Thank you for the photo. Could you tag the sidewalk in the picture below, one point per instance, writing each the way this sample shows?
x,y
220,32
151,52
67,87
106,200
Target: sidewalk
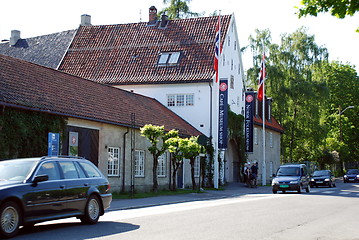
x,y
231,190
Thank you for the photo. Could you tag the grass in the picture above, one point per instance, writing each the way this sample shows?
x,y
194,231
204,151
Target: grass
x,y
127,195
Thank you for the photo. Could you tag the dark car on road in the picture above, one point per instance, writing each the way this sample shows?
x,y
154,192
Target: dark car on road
x,y
291,177
40,189
352,175
322,178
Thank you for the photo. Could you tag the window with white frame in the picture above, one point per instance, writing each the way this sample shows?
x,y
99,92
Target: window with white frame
x,y
178,100
169,58
113,161
161,167
271,139
255,136
197,167
139,163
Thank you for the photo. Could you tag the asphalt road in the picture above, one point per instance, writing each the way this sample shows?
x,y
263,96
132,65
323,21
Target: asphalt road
x,y
325,213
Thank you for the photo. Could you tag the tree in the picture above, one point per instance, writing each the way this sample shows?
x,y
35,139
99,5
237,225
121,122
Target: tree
x,y
297,96
340,9
176,158
177,9
190,150
157,137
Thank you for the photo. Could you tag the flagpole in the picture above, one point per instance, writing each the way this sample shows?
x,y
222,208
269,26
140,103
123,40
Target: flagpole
x,y
264,167
216,159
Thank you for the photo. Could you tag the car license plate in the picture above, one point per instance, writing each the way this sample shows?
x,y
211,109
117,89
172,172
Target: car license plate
x,y
319,181
283,186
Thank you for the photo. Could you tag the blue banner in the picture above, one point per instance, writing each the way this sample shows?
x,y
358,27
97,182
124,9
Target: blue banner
x,y
53,144
223,114
248,124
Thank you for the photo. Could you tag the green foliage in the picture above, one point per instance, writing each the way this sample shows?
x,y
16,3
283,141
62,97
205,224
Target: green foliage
x,y
177,9
339,9
24,133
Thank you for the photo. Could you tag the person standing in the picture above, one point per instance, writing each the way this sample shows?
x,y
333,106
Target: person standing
x,y
254,170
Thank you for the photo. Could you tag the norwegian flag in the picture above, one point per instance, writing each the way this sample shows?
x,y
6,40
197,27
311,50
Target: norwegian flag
x,y
261,80
217,47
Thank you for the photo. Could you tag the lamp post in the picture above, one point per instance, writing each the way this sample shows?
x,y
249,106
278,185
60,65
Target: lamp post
x,y
341,131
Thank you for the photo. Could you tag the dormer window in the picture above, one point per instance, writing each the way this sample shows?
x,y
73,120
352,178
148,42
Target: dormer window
x,y
169,58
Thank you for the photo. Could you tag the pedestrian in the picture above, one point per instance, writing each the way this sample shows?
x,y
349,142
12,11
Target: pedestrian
x,y
254,170
248,174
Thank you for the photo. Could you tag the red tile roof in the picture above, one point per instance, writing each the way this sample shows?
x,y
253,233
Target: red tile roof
x,y
30,86
273,124
128,53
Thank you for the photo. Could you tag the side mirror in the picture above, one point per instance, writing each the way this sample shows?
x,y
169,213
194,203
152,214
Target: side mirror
x,y
41,178
273,175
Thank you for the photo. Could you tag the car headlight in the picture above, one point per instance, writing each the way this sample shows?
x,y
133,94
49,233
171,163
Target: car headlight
x,y
345,176
274,181
327,180
294,182
312,180
357,176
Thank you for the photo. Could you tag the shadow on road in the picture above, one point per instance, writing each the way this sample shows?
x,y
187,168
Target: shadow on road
x,y
75,230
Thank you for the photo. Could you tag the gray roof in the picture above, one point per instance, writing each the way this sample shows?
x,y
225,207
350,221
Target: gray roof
x,y
46,50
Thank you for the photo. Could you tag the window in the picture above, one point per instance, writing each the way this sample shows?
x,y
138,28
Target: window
x,y
139,163
231,82
69,170
197,167
50,169
271,139
113,161
169,58
180,100
256,136
161,167
91,170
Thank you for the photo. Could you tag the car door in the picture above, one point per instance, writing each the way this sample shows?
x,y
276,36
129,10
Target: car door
x,y
76,186
43,199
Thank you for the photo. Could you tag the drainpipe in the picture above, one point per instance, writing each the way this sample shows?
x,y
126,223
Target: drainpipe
x,y
124,160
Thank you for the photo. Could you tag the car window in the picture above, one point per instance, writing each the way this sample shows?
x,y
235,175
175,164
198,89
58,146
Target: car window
x,y
288,171
50,169
90,170
321,173
69,170
15,170
353,171
80,170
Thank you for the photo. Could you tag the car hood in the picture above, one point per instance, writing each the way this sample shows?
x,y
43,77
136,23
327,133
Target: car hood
x,y
286,178
320,177
5,183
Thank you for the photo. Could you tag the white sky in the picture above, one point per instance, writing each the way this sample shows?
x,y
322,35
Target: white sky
x,y
40,17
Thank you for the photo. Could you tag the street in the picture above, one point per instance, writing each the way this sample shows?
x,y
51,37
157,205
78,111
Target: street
x,y
325,213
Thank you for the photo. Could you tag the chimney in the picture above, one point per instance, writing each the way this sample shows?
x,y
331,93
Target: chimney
x,y
15,35
164,21
85,20
152,16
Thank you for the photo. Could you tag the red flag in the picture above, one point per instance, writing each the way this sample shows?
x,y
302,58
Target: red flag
x,y
262,76
217,47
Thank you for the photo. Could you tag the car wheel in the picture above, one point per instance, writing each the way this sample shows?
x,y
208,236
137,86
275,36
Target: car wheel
x,y
274,191
334,185
92,210
10,219
300,189
330,184
308,189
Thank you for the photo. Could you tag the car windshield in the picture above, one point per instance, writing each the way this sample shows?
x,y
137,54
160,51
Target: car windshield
x,y
15,170
288,171
320,173
353,171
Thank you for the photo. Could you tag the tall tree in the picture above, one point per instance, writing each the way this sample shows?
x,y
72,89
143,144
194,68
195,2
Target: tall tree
x,y
157,137
297,96
178,9
176,158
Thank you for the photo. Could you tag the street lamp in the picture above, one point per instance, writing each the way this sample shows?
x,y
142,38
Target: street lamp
x,y
341,131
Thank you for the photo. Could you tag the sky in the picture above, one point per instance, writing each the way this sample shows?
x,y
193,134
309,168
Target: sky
x,y
40,17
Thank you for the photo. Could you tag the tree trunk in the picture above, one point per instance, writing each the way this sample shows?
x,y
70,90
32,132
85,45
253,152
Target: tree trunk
x,y
192,174
154,172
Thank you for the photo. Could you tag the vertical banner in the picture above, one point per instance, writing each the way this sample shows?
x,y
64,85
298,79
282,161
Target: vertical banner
x,y
73,144
248,127
223,114
53,144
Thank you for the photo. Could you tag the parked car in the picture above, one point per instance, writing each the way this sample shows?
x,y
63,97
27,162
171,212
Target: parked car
x,y
352,175
322,178
291,177
40,189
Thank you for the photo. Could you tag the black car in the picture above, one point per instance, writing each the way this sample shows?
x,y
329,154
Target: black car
x,y
40,189
352,175
322,178
291,177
